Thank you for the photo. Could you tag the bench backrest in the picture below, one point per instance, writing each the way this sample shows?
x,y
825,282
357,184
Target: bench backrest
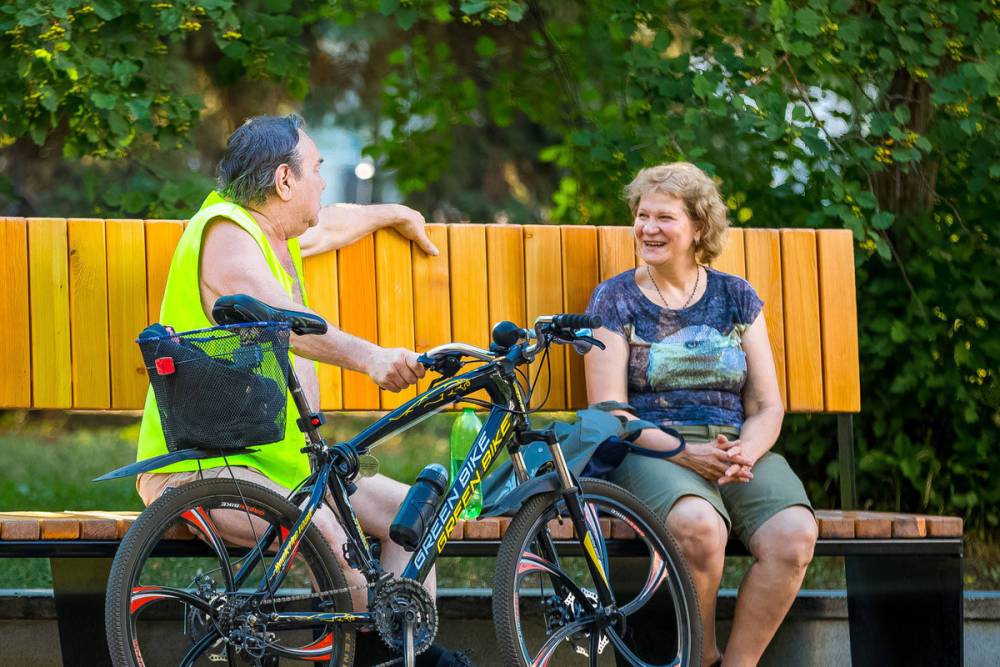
x,y
74,293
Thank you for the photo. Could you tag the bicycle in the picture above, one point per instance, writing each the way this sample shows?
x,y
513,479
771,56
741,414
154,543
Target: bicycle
x,y
276,591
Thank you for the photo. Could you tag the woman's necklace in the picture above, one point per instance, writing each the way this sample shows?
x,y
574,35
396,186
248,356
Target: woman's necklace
x,y
687,303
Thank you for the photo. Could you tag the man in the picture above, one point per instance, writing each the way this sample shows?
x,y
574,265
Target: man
x,y
246,239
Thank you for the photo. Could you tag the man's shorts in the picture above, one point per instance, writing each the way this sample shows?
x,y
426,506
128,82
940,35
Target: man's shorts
x,y
152,485
743,506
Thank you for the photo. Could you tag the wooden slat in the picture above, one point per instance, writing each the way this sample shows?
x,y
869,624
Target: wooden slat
x,y
616,247
127,311
621,530
15,527
944,526
871,526
838,321
15,353
908,526
803,343
580,271
732,259
431,298
161,240
121,521
543,288
394,286
505,259
561,529
482,529
763,263
356,264
88,302
458,532
470,319
834,525
51,377
320,276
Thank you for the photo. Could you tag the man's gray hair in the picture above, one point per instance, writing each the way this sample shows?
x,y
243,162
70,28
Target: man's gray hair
x,y
253,152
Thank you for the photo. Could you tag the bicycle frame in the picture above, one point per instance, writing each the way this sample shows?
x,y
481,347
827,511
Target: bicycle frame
x,y
505,419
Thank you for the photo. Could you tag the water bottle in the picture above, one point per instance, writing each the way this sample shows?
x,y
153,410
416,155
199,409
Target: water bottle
x,y
417,511
463,434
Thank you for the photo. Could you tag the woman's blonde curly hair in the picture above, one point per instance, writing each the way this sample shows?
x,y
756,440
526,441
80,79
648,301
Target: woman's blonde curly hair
x,y
701,198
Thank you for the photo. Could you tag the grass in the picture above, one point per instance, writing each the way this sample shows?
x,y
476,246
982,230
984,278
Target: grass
x,y
47,462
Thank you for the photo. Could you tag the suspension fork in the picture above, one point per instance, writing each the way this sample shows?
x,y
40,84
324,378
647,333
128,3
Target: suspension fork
x,y
572,495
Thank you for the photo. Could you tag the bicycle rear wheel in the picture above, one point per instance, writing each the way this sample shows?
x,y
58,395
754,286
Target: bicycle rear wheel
x,y
181,584
541,582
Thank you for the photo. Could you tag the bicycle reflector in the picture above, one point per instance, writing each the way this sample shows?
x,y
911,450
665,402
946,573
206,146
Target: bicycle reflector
x,y
165,366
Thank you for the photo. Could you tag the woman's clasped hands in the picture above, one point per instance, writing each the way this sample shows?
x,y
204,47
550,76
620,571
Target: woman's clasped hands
x,y
721,461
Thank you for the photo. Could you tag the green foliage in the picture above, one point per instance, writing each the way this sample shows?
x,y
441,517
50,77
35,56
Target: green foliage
x,y
112,80
877,117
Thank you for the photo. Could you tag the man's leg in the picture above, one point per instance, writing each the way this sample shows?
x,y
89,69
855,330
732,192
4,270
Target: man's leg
x,y
376,502
240,528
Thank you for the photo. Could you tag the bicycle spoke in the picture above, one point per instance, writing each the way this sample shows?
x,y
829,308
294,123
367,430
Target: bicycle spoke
x,y
624,651
144,595
200,647
657,575
533,563
200,521
549,647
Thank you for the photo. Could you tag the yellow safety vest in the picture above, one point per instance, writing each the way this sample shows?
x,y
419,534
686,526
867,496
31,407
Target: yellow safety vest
x,y
283,462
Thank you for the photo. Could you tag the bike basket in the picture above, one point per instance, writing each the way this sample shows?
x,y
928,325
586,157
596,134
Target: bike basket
x,y
221,388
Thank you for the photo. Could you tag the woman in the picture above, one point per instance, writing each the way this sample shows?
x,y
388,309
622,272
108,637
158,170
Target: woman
x,y
687,348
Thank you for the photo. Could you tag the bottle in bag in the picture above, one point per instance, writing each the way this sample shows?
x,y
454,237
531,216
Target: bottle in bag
x,y
463,434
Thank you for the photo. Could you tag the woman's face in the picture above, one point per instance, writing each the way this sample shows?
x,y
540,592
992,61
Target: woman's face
x,y
663,230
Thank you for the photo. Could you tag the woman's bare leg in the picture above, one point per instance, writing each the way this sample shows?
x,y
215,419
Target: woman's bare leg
x,y
701,535
782,549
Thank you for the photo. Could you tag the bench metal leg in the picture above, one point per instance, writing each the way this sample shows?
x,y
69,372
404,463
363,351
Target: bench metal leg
x,y
78,585
905,610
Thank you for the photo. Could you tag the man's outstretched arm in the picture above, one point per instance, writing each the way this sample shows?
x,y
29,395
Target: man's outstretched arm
x,y
231,263
343,224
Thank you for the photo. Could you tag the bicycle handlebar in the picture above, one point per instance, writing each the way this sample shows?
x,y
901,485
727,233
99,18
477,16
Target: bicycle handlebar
x,y
561,328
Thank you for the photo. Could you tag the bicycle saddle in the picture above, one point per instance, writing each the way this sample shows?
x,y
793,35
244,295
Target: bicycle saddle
x,y
242,308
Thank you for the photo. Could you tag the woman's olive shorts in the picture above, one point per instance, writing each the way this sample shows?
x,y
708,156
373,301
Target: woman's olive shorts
x,y
744,507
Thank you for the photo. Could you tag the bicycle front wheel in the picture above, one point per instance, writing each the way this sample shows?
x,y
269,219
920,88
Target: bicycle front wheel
x,y
545,602
184,585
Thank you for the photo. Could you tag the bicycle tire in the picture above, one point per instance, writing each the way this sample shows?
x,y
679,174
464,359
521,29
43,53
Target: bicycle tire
x,y
144,555
514,566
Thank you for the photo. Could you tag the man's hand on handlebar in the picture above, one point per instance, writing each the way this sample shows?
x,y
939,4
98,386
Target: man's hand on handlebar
x,y
394,368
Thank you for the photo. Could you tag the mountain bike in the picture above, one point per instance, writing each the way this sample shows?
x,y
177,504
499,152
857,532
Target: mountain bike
x,y
182,591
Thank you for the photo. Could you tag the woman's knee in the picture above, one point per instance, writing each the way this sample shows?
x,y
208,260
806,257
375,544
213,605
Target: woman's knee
x,y
699,530
788,537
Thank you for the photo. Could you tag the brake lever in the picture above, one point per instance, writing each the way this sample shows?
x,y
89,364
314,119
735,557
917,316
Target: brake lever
x,y
583,344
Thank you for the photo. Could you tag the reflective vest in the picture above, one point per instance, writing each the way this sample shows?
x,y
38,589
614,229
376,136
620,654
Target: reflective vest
x,y
181,309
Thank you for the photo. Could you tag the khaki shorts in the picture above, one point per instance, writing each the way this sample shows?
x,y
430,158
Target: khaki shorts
x,y
744,507
152,485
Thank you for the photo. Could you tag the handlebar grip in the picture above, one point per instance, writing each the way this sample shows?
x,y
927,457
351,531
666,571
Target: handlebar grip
x,y
573,321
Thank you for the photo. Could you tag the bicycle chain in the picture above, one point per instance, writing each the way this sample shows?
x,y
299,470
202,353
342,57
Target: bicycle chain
x,y
331,593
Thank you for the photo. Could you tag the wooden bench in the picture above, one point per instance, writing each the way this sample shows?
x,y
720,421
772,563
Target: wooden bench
x,y
74,293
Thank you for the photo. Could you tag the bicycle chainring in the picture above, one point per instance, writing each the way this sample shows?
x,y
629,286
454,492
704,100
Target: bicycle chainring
x,y
398,601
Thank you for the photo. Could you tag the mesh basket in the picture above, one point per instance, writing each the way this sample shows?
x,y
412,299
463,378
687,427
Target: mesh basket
x,y
220,388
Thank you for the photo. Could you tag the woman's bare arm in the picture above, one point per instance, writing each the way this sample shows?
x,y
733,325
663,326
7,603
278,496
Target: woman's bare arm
x,y
762,405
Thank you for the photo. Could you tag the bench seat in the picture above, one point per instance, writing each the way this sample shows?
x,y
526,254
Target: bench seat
x,y
833,525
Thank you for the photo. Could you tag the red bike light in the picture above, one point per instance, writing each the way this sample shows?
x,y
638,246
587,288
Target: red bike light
x,y
165,366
